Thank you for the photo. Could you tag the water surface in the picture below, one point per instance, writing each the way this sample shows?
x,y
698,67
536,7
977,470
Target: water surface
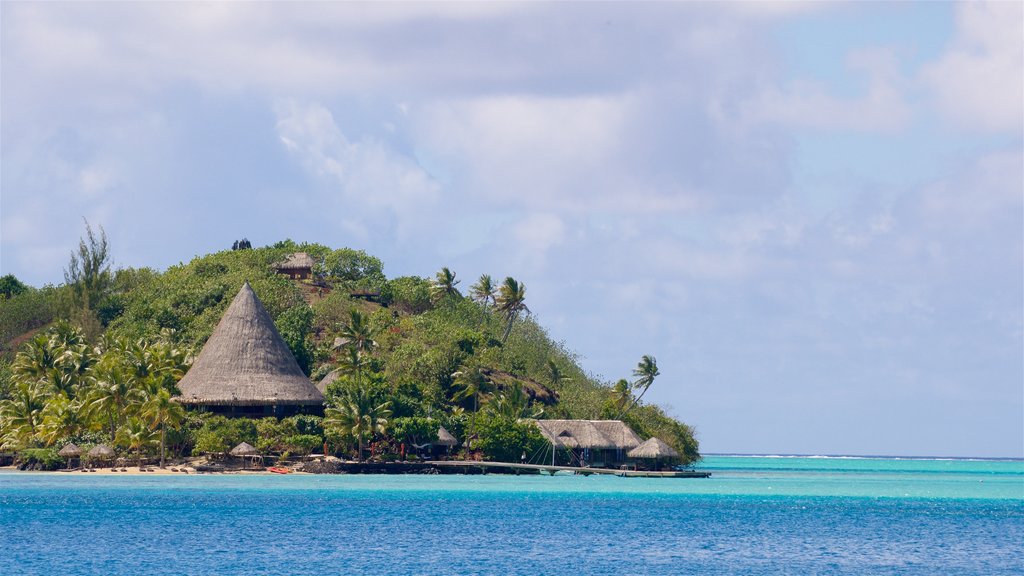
x,y
756,515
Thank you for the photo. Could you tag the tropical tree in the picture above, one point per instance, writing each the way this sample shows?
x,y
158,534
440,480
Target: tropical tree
x,y
135,435
21,414
160,412
358,334
444,285
471,381
88,272
514,403
483,291
511,302
358,415
621,395
645,372
554,373
36,359
110,396
61,418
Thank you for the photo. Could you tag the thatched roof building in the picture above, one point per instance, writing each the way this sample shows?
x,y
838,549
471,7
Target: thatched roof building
x,y
245,363
102,452
653,448
70,451
244,449
619,433
327,379
297,265
445,438
574,434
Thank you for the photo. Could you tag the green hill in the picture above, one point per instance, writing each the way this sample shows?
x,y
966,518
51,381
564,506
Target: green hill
x,y
426,332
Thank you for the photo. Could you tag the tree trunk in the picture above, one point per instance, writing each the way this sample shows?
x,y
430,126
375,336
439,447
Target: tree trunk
x,y
162,445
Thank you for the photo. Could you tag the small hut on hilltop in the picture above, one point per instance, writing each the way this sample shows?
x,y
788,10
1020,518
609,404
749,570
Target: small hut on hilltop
x,y
297,265
246,369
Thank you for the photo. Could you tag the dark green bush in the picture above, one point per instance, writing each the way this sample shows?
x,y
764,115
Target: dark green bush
x,y
41,459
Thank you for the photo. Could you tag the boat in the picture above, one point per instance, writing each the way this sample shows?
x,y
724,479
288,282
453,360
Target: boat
x,y
278,470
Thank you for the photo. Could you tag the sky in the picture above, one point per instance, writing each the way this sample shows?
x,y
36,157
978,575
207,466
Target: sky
x,y
812,215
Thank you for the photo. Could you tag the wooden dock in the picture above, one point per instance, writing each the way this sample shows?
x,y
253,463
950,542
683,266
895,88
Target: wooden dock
x,y
514,468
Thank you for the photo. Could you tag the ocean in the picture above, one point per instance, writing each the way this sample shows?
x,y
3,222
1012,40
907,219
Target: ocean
x,y
755,515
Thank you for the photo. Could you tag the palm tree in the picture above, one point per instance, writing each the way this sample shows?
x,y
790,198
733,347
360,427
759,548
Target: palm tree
x,y
61,418
444,285
36,359
472,381
21,414
136,435
514,404
511,302
622,394
358,415
162,412
357,334
554,373
111,395
646,371
483,291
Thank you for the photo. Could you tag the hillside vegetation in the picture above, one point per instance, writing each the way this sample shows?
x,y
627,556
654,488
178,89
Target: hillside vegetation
x,y
424,348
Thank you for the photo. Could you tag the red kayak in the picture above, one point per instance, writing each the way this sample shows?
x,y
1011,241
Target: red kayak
x,y
279,470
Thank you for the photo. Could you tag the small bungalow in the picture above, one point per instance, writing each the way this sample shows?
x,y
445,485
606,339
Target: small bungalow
x,y
654,449
298,265
600,443
246,369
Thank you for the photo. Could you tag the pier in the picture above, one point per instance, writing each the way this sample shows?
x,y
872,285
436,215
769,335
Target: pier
x,y
506,467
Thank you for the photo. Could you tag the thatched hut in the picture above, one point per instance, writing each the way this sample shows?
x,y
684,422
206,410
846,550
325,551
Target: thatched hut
x,y
590,442
327,380
246,369
654,449
445,438
297,265
70,452
101,452
246,452
444,443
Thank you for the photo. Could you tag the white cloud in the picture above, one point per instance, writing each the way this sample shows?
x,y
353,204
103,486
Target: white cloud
x,y
366,172
809,104
979,82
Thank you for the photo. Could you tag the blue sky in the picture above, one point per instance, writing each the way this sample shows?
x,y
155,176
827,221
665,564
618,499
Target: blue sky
x,y
811,214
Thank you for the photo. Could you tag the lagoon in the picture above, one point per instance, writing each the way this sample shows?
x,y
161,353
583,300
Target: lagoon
x,y
756,515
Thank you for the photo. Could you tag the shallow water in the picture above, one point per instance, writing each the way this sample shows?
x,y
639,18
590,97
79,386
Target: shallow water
x,y
756,515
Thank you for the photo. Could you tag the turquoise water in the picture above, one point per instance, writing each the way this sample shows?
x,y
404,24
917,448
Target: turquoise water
x,y
756,515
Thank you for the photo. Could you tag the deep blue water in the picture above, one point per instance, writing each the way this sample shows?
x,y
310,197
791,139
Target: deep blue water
x,y
754,516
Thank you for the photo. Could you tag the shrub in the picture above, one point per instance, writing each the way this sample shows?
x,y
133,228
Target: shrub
x,y
504,439
303,443
42,459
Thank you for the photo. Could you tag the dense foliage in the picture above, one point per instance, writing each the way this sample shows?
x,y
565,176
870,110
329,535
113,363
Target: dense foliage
x,y
409,354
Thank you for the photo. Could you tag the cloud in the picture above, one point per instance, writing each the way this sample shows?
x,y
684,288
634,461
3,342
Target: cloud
x,y
366,173
809,104
979,82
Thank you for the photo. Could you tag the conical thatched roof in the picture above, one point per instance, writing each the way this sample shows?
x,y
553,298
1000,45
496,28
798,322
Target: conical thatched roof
x,y
653,448
101,451
244,449
70,451
445,438
327,379
246,363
